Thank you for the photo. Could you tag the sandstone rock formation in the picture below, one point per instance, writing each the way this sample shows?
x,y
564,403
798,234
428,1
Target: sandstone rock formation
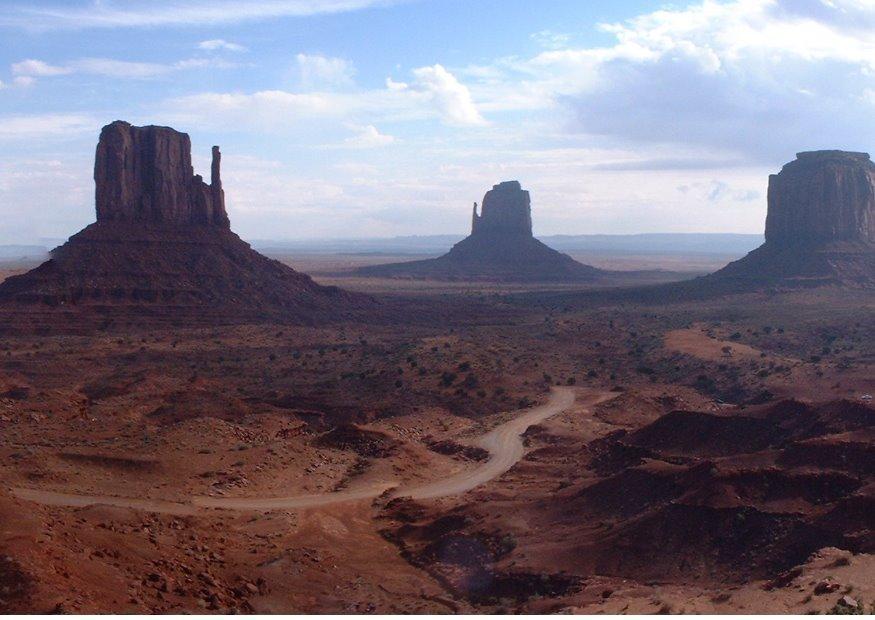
x,y
506,209
501,247
162,248
822,197
144,174
820,226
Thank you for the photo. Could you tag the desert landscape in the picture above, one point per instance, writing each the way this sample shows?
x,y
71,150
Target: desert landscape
x,y
342,390
189,426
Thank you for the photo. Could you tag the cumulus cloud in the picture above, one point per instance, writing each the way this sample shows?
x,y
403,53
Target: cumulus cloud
x,y
317,71
450,97
220,44
434,92
759,78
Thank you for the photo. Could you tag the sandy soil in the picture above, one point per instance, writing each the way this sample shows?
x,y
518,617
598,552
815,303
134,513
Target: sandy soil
x,y
593,517
503,443
698,342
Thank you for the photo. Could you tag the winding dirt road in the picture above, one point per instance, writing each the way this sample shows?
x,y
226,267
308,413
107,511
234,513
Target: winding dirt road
x,y
504,444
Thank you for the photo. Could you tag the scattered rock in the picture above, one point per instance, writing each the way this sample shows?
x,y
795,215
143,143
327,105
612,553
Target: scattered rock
x,y
825,587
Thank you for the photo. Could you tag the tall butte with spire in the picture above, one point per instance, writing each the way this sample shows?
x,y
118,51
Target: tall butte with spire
x,y
162,247
820,226
501,247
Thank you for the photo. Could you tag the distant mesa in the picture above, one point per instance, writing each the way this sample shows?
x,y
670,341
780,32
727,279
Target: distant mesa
x,y
162,246
501,247
820,226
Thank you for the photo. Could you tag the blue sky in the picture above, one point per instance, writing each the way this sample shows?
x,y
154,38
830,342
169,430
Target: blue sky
x,y
364,118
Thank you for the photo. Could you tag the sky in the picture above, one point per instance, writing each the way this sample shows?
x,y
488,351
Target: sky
x,y
376,118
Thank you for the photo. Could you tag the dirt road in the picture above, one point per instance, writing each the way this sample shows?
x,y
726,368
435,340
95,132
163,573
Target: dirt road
x,y
504,444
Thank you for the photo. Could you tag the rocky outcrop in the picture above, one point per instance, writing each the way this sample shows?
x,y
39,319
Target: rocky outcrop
x,y
822,197
501,247
144,174
162,249
506,209
820,227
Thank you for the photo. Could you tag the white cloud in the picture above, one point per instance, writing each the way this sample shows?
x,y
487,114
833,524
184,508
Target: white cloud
x,y
763,78
220,44
369,137
23,81
449,96
393,85
30,69
434,92
42,125
317,71
271,110
38,68
108,14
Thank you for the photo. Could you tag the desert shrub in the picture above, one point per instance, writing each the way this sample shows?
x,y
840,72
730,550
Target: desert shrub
x,y
447,378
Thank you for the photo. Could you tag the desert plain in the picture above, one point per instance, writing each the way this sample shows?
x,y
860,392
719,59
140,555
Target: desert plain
x,y
709,456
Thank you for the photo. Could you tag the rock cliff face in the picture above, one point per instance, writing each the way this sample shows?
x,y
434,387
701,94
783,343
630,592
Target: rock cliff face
x,y
506,209
162,249
144,174
821,197
820,226
501,247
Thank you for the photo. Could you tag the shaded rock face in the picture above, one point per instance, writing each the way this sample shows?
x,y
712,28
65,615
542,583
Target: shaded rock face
x,y
820,228
820,197
507,209
161,250
144,174
501,247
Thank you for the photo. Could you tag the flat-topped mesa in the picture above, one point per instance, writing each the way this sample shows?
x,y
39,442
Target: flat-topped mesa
x,y
506,209
144,175
822,197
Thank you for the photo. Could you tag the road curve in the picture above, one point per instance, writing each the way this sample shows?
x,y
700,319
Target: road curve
x,y
504,444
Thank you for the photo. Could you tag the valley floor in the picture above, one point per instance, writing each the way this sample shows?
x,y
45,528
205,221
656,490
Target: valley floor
x,y
713,456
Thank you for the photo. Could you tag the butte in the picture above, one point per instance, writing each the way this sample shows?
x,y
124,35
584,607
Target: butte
x,y
162,250
501,247
820,227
